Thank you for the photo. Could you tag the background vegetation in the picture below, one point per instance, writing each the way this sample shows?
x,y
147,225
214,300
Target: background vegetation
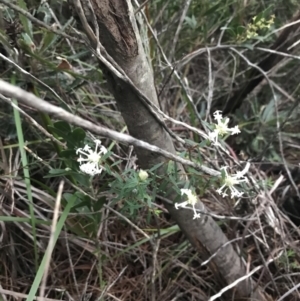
x,y
113,240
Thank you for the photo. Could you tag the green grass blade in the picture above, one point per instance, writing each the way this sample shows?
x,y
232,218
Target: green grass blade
x,y
40,272
18,123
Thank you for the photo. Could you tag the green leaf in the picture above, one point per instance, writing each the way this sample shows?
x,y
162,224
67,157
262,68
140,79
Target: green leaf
x,y
70,197
99,204
59,173
63,126
68,153
78,135
212,10
191,22
203,143
61,129
25,21
82,179
48,38
269,111
249,46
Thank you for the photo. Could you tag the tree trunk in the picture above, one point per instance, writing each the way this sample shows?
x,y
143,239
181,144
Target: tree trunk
x,y
120,38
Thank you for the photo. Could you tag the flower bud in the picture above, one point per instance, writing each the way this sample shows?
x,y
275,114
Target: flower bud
x,y
143,175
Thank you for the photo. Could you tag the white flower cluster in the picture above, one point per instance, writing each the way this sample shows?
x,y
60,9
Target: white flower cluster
x,y
191,200
221,128
229,181
90,163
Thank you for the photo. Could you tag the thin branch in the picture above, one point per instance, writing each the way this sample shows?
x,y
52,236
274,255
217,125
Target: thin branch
x,y
23,296
233,284
176,37
43,106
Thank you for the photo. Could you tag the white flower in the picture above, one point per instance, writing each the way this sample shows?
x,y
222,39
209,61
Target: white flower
x,y
231,180
91,163
221,128
143,175
191,200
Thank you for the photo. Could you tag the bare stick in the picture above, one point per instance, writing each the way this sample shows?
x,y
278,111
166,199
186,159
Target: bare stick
x,y
43,106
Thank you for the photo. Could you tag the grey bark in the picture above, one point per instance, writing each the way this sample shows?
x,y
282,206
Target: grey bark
x,y
119,35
